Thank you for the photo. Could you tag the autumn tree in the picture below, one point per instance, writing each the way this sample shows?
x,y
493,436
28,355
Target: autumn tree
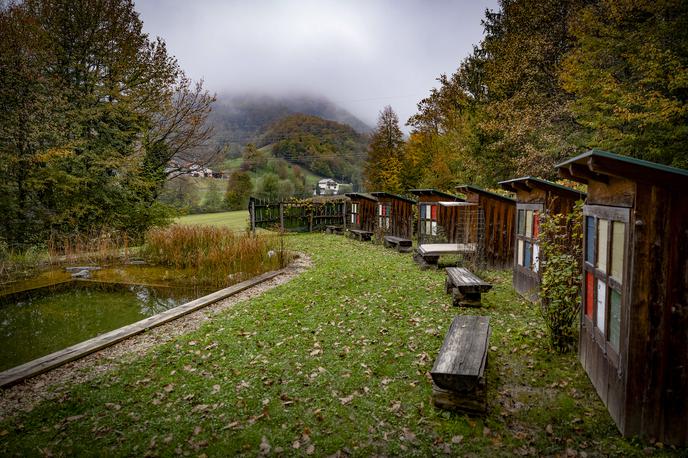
x,y
239,188
95,110
382,170
628,74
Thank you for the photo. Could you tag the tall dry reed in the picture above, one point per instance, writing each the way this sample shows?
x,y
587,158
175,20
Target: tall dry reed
x,y
91,247
216,256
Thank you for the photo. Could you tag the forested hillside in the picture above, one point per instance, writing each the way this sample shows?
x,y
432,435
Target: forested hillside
x,y
327,148
550,79
242,119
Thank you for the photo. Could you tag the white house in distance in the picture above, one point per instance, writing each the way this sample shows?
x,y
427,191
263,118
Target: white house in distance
x,y
326,187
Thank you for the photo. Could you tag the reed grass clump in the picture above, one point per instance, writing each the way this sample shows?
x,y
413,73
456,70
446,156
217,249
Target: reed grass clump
x,y
214,255
89,247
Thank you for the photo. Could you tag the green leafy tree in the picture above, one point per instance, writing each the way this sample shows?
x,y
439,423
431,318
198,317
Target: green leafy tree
x,y
629,75
239,188
383,169
268,187
95,111
213,198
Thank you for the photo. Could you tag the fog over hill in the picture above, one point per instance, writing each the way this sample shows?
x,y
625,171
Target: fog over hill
x,y
239,119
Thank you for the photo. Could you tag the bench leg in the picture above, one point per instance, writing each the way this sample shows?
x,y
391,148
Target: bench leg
x,y
448,285
465,300
404,249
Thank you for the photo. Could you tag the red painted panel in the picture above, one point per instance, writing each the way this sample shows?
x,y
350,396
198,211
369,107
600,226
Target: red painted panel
x,y
588,294
433,212
536,224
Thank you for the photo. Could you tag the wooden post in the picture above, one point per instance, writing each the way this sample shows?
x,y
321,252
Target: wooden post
x,y
281,213
253,216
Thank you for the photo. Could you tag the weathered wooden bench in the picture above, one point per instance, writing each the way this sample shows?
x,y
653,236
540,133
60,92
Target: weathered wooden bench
x,y
465,287
458,374
360,235
401,244
428,254
334,230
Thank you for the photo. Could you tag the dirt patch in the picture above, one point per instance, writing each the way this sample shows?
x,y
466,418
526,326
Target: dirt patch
x,y
55,383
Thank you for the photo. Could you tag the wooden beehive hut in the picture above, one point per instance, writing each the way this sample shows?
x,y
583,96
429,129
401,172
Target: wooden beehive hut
x,y
499,213
394,214
431,227
634,323
533,197
361,212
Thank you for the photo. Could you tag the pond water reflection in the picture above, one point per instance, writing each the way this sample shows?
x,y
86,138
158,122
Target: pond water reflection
x,y
40,321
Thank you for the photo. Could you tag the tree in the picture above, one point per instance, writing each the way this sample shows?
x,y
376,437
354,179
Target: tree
x,y
213,198
385,154
629,75
268,187
239,188
95,111
253,158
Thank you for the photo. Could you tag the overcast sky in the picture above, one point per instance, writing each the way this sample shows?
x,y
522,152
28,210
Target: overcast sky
x,y
361,54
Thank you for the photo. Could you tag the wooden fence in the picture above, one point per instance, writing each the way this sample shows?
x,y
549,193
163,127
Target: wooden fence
x,y
297,216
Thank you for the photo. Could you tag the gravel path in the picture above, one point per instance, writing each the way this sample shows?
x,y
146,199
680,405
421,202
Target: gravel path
x,y
53,384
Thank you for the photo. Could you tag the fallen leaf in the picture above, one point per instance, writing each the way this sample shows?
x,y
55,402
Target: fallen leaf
x,y
346,400
216,389
264,446
549,429
296,445
457,439
310,450
197,430
113,406
169,387
73,418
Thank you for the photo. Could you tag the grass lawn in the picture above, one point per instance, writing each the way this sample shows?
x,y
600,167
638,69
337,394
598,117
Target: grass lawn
x,y
336,360
236,220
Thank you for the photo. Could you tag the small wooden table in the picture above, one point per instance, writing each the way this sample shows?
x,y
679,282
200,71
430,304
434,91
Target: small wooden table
x,y
428,254
401,244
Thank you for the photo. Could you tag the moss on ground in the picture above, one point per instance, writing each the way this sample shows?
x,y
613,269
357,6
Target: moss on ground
x,y
336,360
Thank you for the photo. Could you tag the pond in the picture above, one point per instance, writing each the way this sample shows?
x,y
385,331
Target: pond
x,y
42,320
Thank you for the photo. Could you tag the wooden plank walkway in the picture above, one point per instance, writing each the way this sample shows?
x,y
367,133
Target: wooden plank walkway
x,y
53,360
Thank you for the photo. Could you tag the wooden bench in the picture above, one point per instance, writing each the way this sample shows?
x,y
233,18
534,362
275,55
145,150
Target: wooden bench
x,y
401,244
361,235
428,254
458,374
465,287
334,230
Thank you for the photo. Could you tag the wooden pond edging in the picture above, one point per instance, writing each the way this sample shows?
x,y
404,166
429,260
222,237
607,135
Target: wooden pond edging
x,y
66,355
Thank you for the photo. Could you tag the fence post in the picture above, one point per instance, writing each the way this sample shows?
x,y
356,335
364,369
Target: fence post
x,y
253,216
281,211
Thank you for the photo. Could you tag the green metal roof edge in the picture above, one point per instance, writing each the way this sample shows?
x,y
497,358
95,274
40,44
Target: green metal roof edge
x,y
546,183
364,195
392,195
485,191
433,191
626,159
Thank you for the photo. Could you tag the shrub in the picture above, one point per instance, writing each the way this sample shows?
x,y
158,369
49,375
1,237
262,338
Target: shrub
x,y
216,255
561,249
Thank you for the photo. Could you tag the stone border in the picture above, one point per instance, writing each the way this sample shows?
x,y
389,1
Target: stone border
x,y
66,355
